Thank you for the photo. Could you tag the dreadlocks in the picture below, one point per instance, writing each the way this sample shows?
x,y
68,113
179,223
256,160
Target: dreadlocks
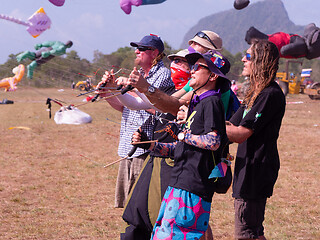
x,y
264,65
157,59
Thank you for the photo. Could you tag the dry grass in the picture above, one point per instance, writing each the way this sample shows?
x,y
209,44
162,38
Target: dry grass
x,y
48,191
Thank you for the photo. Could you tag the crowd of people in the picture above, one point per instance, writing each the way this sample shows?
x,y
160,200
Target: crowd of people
x,y
180,122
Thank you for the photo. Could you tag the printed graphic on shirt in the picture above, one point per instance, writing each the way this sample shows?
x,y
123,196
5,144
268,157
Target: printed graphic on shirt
x,y
257,116
190,120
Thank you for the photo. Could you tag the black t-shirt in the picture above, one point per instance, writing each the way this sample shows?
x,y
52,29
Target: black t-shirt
x,y
257,162
193,165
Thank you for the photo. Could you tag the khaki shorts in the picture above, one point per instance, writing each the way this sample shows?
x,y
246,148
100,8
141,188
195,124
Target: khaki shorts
x,y
249,216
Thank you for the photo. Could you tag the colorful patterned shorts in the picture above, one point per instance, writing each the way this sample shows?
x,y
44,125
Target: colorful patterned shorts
x,y
183,215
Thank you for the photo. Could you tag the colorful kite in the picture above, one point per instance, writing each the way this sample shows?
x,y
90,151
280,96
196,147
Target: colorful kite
x,y
126,4
220,170
9,84
46,51
58,3
36,24
292,45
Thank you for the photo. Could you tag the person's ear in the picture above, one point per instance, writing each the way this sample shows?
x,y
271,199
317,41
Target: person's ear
x,y
213,77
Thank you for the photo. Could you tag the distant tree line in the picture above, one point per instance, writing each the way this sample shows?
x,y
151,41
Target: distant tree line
x,y
61,71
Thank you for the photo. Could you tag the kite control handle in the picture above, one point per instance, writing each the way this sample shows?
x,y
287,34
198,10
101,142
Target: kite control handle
x,y
97,95
124,90
132,151
134,148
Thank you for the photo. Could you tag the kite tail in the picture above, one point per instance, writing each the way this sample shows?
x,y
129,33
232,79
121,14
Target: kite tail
x,y
12,19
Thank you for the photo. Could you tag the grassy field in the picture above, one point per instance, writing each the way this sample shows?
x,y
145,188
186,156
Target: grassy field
x,y
53,184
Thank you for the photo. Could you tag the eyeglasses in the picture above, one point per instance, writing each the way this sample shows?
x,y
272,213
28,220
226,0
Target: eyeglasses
x,y
248,56
143,49
178,60
197,67
205,36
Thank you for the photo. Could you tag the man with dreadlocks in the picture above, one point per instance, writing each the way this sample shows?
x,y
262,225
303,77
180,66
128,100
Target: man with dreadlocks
x,y
149,54
255,126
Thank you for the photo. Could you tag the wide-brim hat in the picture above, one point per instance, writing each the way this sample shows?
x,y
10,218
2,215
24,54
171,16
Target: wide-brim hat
x,y
208,39
181,53
152,41
217,63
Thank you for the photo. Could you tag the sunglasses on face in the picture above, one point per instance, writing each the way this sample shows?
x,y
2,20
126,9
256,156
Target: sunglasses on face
x,y
143,49
205,36
197,67
248,56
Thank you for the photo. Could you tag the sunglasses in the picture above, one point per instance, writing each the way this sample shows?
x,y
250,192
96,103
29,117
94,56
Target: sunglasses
x,y
197,67
143,49
248,56
205,36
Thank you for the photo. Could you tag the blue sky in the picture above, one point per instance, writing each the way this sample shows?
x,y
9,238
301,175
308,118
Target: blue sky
x,y
102,25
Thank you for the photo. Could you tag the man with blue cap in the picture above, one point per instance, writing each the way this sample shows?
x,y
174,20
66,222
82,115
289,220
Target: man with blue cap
x,y
149,54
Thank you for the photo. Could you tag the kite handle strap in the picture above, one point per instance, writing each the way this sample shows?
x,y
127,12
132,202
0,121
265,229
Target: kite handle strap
x,y
49,104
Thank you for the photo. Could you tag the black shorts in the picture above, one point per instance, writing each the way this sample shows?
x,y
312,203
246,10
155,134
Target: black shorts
x,y
249,216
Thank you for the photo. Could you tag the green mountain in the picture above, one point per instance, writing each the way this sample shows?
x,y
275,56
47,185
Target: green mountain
x,y
269,16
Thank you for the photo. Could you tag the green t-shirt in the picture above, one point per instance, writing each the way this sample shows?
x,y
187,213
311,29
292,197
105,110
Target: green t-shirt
x,y
187,87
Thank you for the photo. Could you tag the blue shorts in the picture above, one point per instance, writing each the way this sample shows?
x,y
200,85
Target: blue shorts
x,y
183,215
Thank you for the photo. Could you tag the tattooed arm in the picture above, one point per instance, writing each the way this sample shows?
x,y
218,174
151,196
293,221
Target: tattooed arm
x,y
210,141
164,149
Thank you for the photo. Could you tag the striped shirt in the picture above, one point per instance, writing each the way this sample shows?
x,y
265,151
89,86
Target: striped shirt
x,y
159,76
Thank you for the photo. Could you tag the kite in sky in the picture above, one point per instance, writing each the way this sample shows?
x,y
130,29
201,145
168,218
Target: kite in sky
x,y
58,3
240,4
47,51
9,84
36,24
292,45
127,4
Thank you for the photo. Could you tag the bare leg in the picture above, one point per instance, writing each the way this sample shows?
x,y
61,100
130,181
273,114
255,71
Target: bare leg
x,y
30,68
26,54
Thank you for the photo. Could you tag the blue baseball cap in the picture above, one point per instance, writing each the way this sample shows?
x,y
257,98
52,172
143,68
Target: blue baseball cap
x,y
152,41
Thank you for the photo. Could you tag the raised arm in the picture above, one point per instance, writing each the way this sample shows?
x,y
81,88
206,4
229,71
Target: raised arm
x,y
157,97
137,102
